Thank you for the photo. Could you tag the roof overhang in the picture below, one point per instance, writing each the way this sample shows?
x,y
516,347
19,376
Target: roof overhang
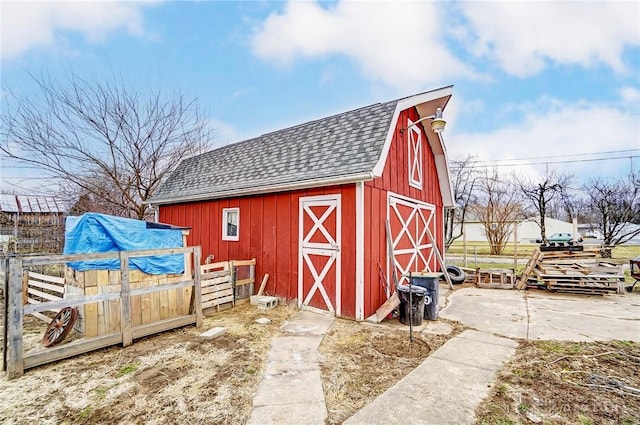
x,y
259,190
426,104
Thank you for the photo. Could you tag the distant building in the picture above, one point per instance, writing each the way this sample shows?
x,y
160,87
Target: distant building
x,y
31,223
590,231
528,230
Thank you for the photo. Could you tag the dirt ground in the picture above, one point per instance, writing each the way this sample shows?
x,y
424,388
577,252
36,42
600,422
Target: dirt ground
x,y
361,361
171,378
177,378
560,383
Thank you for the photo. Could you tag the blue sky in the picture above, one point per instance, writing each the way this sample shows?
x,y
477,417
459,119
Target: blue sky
x,y
531,79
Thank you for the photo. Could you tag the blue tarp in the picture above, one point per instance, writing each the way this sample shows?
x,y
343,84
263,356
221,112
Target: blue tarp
x,y
92,233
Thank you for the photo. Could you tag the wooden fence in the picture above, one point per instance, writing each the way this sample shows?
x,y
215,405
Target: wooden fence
x,y
17,361
39,288
4,284
217,285
227,282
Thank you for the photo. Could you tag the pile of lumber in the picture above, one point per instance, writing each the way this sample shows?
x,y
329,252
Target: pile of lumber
x,y
494,278
578,272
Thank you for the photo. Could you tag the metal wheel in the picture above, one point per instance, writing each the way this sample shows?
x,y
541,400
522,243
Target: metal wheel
x,y
60,327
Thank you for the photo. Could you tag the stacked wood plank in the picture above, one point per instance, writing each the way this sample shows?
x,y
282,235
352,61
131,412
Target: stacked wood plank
x,y
217,285
39,288
578,272
494,278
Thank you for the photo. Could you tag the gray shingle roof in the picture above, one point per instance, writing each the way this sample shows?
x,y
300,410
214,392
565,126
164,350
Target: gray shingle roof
x,y
333,148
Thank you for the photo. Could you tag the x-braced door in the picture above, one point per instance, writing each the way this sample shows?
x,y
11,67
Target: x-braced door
x,y
319,253
409,220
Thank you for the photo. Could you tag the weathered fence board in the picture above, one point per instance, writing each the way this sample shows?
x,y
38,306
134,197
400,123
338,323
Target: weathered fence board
x,y
15,320
111,305
47,278
217,284
4,285
243,273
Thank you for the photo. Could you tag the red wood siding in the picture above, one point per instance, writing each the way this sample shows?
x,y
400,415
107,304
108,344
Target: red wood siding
x,y
268,232
395,178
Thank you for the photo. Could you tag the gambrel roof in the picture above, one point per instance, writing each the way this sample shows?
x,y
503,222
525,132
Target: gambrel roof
x,y
343,148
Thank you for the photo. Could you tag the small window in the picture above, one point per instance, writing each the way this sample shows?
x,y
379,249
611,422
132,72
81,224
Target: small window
x,y
230,224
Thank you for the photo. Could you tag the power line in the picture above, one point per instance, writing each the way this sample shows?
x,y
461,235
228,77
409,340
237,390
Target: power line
x,y
554,162
557,156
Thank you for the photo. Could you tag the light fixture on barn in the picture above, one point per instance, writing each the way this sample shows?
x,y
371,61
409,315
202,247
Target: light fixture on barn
x,y
437,123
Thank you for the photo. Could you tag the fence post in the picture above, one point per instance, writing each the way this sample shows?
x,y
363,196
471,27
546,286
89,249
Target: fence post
x,y
515,245
125,300
15,319
464,246
5,290
197,286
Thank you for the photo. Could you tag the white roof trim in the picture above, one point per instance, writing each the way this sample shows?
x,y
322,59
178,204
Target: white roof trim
x,y
444,176
401,106
442,163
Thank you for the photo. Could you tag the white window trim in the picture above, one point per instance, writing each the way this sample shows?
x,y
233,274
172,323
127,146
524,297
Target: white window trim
x,y
225,213
414,156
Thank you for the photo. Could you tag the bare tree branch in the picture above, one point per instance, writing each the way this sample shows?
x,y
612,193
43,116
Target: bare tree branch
x,y
616,207
498,207
541,193
104,140
464,183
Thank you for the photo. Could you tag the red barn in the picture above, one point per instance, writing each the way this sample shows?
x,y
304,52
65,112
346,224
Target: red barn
x,y
310,202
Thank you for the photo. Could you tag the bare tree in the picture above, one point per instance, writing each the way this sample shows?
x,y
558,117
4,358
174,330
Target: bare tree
x,y
616,207
103,139
498,208
540,194
464,181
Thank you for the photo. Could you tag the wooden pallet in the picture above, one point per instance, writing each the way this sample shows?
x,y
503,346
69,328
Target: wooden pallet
x,y
495,278
582,286
536,256
573,272
570,255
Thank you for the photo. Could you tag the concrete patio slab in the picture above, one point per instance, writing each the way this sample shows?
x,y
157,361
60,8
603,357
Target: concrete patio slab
x,y
495,311
584,318
543,315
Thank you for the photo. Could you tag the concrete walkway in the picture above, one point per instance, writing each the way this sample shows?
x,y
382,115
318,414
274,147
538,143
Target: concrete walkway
x,y
446,388
539,315
450,384
291,389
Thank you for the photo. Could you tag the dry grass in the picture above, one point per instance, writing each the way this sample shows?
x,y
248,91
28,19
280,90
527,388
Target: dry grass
x,y
362,360
567,383
174,377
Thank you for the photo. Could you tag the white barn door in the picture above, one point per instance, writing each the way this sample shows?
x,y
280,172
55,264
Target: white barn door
x,y
319,262
409,220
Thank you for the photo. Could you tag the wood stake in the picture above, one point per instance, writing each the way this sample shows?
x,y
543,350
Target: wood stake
x,y
263,284
391,257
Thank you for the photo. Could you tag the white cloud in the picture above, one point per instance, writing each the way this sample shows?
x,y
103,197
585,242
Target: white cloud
x,y
551,130
28,25
224,133
399,43
630,95
525,37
